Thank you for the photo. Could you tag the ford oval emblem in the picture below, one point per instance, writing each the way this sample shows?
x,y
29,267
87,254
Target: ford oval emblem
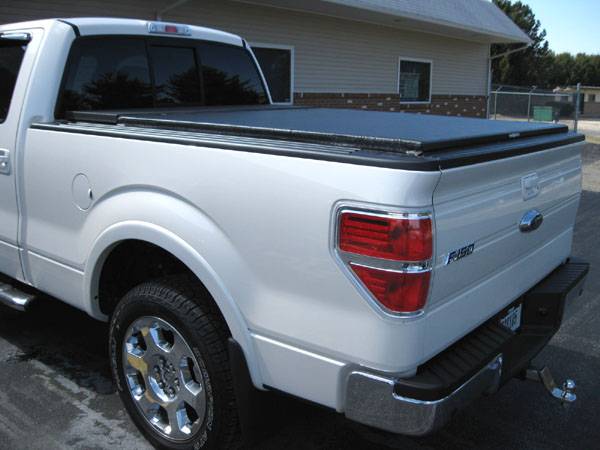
x,y
531,221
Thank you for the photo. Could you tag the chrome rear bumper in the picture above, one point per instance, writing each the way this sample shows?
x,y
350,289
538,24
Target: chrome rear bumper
x,y
478,364
370,400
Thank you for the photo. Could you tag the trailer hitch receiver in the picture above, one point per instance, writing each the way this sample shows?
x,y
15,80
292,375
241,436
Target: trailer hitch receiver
x,y
565,394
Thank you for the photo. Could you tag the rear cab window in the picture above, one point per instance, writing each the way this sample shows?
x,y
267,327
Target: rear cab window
x,y
117,73
12,51
230,76
107,74
176,76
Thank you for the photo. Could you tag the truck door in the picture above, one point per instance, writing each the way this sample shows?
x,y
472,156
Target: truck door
x,y
13,47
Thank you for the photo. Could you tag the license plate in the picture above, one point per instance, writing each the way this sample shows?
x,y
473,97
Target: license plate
x,y
512,319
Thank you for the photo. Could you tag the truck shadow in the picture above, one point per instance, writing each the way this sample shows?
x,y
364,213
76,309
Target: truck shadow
x,y
62,338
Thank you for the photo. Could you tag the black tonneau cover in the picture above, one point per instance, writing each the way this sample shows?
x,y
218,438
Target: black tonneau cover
x,y
382,139
384,131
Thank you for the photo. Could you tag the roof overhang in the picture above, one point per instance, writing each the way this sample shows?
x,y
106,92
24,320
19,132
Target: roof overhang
x,y
496,28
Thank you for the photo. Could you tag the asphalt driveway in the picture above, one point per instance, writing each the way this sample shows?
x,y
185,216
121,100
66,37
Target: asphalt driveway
x,y
56,392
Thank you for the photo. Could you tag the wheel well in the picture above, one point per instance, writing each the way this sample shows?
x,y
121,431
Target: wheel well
x,y
131,263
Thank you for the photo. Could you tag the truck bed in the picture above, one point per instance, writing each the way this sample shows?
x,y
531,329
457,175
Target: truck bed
x,y
388,139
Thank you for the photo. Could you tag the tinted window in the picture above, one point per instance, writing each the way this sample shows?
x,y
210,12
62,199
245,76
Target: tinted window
x,y
114,73
176,77
11,56
276,65
107,74
230,76
415,79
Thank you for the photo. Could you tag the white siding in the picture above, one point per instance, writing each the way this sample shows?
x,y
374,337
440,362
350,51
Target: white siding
x,y
332,55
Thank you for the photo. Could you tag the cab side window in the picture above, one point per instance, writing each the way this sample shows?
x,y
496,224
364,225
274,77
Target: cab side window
x,y
11,57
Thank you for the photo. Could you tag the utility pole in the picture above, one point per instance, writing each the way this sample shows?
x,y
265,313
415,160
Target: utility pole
x,y
577,106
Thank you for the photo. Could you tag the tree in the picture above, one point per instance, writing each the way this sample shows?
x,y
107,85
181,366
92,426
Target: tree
x,y
538,65
561,73
528,67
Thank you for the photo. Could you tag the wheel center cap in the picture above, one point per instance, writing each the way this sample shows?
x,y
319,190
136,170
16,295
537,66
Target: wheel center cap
x,y
166,377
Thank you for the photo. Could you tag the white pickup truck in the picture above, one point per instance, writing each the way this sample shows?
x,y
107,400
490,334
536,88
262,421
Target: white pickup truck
x,y
392,267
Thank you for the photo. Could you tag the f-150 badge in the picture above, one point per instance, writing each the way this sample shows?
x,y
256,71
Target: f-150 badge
x,y
460,253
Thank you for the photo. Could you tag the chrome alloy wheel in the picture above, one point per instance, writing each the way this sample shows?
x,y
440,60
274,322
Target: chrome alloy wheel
x,y
164,378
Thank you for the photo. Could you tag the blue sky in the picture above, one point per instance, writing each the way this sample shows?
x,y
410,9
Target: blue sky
x,y
572,25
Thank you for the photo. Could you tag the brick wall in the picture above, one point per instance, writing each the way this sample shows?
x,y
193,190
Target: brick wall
x,y
451,105
591,109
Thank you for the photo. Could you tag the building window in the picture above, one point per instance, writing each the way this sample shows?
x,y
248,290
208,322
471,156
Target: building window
x,y
592,98
277,64
414,80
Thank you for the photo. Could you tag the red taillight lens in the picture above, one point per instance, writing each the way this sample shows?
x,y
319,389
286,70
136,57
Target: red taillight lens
x,y
398,292
399,239
170,29
390,254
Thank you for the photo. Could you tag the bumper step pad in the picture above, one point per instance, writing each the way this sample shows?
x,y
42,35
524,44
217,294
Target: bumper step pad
x,y
543,310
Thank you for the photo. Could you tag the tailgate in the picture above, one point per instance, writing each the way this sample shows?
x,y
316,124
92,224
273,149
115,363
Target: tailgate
x,y
478,209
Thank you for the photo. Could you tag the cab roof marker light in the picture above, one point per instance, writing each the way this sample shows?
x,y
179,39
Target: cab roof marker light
x,y
169,28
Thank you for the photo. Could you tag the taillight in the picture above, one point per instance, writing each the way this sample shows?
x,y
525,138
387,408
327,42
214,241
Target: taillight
x,y
400,239
390,254
397,291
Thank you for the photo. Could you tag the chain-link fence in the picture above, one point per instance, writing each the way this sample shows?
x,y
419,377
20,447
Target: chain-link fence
x,y
533,104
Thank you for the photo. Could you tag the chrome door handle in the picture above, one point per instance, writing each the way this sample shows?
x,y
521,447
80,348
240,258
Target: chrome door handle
x,y
4,162
531,221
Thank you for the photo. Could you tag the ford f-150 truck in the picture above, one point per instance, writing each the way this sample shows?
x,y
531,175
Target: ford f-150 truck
x,y
392,267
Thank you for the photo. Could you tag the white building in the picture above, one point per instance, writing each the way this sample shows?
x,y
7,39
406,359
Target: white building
x,y
418,55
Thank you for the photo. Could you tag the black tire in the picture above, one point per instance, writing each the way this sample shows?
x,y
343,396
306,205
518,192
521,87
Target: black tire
x,y
185,304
